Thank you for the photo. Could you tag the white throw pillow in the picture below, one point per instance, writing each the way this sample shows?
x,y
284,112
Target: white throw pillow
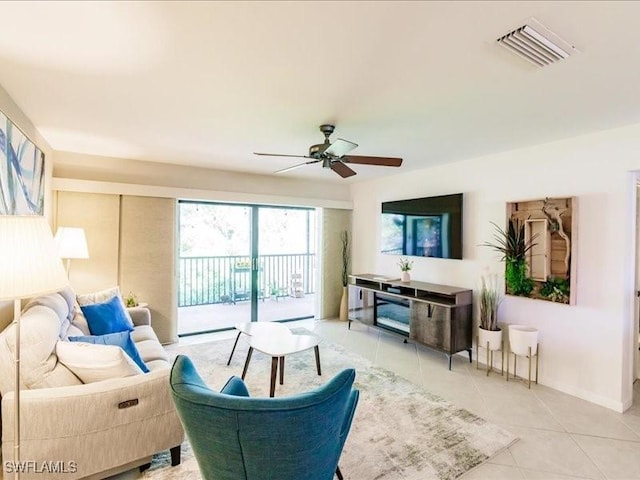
x,y
101,297
94,363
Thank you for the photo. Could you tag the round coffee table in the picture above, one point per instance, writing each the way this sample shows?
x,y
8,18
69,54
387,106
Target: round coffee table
x,y
277,345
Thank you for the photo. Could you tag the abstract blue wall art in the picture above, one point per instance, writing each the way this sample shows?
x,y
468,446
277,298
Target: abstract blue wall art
x,y
21,172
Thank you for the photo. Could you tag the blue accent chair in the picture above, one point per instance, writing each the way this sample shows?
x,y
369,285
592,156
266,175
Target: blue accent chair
x,y
236,437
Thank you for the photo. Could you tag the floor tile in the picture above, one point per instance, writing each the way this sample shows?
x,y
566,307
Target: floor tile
x,y
503,458
491,471
585,418
553,452
538,475
617,459
520,408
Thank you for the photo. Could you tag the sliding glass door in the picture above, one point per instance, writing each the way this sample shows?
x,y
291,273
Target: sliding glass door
x,y
241,263
286,256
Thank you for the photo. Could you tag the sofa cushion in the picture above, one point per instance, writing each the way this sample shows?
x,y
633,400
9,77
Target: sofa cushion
x,y
101,297
120,339
151,350
144,332
94,363
107,317
39,368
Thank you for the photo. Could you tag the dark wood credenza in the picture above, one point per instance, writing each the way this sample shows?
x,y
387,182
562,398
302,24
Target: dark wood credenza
x,y
438,316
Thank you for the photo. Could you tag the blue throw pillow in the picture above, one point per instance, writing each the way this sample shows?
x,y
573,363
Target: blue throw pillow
x,y
120,339
107,317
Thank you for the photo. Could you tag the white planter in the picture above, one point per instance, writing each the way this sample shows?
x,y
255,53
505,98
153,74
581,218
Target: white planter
x,y
521,338
405,277
494,337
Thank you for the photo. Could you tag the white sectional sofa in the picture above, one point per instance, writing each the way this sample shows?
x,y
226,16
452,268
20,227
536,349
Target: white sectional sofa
x,y
97,429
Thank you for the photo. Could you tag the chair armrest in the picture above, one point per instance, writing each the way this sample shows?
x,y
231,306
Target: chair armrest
x,y
349,412
140,315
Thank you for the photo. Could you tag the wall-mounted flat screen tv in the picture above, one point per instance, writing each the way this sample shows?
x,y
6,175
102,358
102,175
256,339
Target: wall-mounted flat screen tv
x,y
423,227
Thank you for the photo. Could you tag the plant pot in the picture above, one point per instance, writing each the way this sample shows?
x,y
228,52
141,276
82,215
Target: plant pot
x,y
521,338
344,304
405,277
494,337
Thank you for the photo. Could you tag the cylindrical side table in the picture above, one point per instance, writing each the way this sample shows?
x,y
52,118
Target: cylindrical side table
x,y
523,341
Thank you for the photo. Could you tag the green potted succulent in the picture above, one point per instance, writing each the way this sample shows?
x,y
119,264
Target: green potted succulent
x,y
405,267
131,300
514,246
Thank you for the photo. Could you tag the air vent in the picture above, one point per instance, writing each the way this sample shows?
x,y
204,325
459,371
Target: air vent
x,y
537,44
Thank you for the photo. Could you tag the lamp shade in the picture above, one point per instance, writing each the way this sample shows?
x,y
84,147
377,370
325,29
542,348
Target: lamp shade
x,y
29,263
71,243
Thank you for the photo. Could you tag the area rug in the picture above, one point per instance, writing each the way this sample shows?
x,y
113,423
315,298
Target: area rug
x,y
400,430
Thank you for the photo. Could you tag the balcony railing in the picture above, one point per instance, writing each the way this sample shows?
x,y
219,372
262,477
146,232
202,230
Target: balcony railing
x,y
208,280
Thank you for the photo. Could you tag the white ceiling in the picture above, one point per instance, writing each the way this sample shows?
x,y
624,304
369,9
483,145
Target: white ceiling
x,y
208,83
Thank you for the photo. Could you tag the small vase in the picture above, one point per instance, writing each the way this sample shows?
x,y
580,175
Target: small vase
x,y
405,277
344,304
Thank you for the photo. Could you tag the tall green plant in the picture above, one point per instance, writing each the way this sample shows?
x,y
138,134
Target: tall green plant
x,y
512,243
514,246
344,236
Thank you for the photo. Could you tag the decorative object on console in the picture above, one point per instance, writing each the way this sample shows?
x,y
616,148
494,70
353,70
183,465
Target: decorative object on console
x,y
30,267
344,301
489,334
21,172
405,267
523,341
538,250
72,243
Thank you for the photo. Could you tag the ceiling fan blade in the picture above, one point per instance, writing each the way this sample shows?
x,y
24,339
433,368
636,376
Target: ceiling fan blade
x,y
380,161
296,166
341,169
280,155
340,147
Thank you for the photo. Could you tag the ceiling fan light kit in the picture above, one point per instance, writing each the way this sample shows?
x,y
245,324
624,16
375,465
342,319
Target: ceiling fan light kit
x,y
334,155
537,44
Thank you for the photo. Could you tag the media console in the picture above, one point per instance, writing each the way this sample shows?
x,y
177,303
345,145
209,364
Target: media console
x,y
438,316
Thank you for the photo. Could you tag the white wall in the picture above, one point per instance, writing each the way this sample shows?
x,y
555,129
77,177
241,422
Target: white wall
x,y
585,350
17,116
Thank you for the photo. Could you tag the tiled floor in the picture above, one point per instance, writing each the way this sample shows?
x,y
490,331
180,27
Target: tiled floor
x,y
561,437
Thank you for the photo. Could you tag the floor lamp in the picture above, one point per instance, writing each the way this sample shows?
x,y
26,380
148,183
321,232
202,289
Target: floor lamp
x,y
72,243
29,266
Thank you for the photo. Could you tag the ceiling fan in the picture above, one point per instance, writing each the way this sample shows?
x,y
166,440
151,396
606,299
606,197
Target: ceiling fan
x,y
334,155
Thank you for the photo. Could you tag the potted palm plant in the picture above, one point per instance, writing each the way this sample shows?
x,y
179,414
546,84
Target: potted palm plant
x,y
513,245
